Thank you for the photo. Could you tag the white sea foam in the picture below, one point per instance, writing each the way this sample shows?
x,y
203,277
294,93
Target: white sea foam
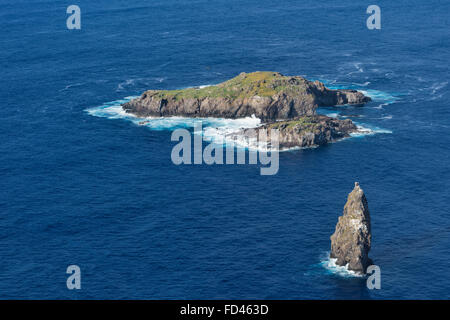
x,y
205,86
380,96
380,106
215,129
436,90
365,84
112,110
433,92
367,130
330,265
160,80
121,86
438,86
358,67
71,85
138,82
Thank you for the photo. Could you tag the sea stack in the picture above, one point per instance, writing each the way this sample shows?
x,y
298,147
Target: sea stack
x,y
350,243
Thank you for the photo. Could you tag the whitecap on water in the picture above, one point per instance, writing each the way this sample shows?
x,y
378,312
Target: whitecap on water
x,y
112,110
332,268
385,98
365,84
215,129
367,130
380,96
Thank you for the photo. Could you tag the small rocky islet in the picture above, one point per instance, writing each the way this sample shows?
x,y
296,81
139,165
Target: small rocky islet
x,y
351,241
285,103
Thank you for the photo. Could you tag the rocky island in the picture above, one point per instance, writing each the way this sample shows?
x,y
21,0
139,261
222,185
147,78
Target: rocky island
x,y
307,131
350,243
286,103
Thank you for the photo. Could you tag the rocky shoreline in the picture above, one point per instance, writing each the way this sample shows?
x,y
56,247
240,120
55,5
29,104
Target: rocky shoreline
x,y
281,102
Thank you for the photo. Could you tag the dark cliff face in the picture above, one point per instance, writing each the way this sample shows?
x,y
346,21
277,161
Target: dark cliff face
x,y
350,243
267,95
328,97
307,131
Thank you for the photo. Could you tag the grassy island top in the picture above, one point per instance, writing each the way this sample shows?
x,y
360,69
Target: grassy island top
x,y
245,85
305,123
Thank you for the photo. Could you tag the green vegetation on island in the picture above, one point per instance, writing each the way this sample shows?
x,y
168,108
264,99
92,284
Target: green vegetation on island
x,y
261,83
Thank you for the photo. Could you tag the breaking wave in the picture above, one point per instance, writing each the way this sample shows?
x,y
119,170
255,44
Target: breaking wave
x,y
368,130
214,129
380,96
332,268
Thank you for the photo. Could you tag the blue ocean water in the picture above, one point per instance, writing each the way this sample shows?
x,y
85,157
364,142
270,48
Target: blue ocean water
x,y
103,194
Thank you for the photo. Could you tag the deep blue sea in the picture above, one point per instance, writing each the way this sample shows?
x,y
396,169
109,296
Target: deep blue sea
x,y
82,187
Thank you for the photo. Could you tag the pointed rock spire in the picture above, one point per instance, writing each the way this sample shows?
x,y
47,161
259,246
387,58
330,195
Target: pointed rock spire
x,y
350,243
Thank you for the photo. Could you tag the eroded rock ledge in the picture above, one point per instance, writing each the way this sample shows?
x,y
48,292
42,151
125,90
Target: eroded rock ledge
x,y
306,131
269,96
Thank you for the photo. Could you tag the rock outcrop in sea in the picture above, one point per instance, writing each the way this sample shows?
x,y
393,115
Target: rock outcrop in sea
x,y
269,96
305,132
350,243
